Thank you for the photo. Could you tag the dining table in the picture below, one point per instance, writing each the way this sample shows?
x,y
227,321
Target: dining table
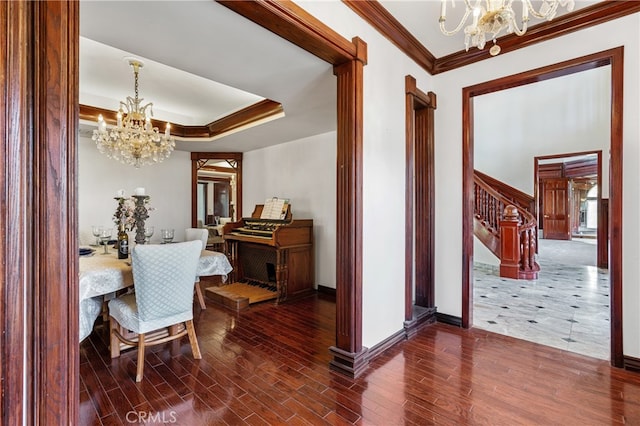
x,y
102,275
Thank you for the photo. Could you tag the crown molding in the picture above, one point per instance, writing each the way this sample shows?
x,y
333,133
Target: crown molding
x,y
385,23
242,118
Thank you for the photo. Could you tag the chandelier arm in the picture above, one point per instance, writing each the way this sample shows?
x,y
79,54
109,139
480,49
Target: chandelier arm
x,y
460,25
519,31
548,15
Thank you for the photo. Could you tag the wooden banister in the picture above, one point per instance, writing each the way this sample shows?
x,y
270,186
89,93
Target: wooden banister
x,y
508,229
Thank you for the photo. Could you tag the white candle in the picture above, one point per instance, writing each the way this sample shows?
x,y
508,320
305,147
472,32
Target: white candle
x,y
166,131
101,123
443,9
120,193
139,191
119,124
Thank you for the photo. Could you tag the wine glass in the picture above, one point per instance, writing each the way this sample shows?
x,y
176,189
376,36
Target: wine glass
x,y
96,231
148,232
167,235
105,236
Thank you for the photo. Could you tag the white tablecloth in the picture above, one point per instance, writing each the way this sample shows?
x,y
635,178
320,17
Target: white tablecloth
x,y
102,274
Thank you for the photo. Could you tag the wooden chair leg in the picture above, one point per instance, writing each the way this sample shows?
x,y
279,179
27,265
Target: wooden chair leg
x,y
200,295
195,348
114,342
140,369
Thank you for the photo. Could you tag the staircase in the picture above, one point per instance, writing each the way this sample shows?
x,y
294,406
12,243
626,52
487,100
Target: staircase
x,y
503,222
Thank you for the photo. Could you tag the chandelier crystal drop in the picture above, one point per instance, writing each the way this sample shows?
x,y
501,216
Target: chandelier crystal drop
x,y
133,140
491,17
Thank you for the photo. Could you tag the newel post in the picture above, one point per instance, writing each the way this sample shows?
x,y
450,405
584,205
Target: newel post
x,y
509,243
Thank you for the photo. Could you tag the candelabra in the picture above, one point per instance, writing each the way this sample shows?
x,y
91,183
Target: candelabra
x,y
140,215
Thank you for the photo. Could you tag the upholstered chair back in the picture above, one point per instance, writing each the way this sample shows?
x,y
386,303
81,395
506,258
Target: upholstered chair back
x,y
164,276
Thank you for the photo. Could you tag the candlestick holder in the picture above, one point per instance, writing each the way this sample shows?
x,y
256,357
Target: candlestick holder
x,y
140,215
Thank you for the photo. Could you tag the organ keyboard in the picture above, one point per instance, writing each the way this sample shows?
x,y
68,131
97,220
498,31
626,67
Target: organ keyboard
x,y
272,253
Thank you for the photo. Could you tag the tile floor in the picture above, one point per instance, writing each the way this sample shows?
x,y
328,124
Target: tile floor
x,y
567,307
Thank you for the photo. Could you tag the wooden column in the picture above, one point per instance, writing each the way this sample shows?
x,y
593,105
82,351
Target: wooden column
x,y
39,296
349,355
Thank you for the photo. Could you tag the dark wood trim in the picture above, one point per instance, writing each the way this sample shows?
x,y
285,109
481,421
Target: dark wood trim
x,y
613,57
467,208
349,352
514,194
39,295
329,291
421,316
197,161
55,132
293,23
409,191
449,319
16,157
631,363
603,223
419,196
615,204
244,117
562,25
387,25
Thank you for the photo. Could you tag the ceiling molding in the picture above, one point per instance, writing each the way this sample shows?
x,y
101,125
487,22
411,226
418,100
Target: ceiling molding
x,y
259,111
382,20
295,24
562,25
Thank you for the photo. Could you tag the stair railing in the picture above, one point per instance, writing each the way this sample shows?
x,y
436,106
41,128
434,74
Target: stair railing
x,y
512,227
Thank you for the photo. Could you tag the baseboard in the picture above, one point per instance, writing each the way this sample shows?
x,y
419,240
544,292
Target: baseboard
x,y
449,319
327,290
631,363
421,316
387,343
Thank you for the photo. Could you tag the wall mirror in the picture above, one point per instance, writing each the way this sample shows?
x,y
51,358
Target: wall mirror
x,y
216,188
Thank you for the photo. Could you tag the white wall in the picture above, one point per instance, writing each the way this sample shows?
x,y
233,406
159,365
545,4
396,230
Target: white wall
x,y
383,263
303,171
167,183
621,32
557,116
383,169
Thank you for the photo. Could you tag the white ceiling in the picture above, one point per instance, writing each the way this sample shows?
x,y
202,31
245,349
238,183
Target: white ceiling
x,y
203,61
188,45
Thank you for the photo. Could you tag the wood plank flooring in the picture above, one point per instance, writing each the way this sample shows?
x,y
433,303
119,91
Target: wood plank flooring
x,y
269,365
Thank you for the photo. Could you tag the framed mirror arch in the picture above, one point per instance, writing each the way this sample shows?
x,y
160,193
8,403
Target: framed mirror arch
x,y
216,188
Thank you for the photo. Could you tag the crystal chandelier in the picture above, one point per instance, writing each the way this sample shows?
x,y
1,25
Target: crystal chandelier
x,y
492,16
133,140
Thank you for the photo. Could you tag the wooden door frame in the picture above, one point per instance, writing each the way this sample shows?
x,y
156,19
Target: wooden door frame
x,y
602,246
419,215
39,354
614,58
39,298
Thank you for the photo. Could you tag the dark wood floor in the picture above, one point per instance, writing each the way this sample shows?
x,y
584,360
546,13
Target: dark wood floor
x,y
269,365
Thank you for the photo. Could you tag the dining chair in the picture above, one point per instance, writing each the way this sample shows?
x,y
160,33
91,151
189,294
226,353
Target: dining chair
x,y
163,278
199,234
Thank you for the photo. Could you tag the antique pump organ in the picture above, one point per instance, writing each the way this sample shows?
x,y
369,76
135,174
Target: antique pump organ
x,y
276,254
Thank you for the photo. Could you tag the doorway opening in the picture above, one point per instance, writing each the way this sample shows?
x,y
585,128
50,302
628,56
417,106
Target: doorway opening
x,y
614,59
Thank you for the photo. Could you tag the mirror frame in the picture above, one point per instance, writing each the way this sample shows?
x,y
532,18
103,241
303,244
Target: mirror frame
x,y
198,159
